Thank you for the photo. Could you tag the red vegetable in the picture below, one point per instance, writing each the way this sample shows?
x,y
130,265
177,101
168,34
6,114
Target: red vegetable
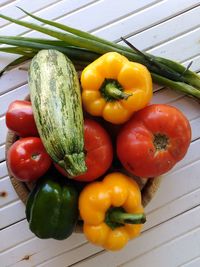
x,y
153,140
27,159
19,118
99,153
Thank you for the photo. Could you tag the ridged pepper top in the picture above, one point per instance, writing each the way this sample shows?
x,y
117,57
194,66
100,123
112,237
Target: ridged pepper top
x,y
111,211
114,87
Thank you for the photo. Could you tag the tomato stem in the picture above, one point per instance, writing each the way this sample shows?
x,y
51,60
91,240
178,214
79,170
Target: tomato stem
x,y
35,156
160,141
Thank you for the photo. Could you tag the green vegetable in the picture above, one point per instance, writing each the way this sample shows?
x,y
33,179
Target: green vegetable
x,y
52,209
164,71
56,100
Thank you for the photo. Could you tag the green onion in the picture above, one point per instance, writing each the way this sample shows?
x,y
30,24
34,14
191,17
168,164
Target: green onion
x,y
95,46
178,86
83,48
71,52
167,69
25,51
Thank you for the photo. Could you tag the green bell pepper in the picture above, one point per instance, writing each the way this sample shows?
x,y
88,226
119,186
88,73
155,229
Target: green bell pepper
x,y
52,208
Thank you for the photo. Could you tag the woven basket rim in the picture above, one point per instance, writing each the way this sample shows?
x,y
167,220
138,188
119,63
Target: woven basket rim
x,y
22,189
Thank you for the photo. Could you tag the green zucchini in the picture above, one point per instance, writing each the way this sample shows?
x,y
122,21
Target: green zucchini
x,y
56,100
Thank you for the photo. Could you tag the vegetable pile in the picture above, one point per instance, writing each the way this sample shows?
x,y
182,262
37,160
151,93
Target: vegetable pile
x,y
84,142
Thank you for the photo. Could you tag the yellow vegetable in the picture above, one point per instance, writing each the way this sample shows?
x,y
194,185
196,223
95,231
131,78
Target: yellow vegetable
x,y
111,210
114,87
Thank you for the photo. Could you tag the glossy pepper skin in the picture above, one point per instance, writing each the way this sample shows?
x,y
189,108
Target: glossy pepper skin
x,y
116,191
114,87
52,209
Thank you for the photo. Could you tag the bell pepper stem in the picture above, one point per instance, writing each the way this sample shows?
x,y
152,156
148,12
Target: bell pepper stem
x,y
116,217
127,218
115,93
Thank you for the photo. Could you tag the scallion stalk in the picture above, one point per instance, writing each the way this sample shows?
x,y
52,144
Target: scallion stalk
x,y
71,52
84,47
170,69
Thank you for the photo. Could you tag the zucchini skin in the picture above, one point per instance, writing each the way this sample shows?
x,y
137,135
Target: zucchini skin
x,y
57,108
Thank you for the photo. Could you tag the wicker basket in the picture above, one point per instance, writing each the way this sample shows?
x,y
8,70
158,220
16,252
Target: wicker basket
x,y
148,187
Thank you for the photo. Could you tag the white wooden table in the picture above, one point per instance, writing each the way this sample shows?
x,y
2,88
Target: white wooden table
x,y
171,236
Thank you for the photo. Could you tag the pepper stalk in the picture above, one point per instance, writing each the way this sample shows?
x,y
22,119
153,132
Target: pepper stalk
x,y
116,217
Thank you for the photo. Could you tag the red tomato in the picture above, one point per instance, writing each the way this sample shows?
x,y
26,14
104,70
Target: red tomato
x,y
27,159
153,140
19,118
98,149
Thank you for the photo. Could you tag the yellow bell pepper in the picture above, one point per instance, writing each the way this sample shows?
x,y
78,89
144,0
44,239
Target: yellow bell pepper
x,y
111,210
114,87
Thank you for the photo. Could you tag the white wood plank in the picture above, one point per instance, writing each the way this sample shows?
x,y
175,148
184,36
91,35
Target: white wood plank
x,y
12,79
192,155
39,250
115,10
12,213
5,2
188,106
14,12
166,31
14,235
2,153
189,43
149,240
135,23
170,199
195,125
3,170
165,96
18,94
179,249
7,192
70,258
97,7
59,11
3,132
44,7
193,263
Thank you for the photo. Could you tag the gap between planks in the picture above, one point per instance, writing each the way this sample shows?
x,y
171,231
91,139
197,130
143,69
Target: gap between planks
x,y
124,255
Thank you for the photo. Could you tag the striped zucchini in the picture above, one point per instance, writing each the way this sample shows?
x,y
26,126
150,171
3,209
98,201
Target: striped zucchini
x,y
56,100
